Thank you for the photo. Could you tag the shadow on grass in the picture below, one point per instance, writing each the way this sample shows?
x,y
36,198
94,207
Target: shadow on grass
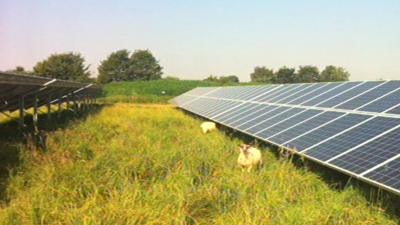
x,y
337,181
13,139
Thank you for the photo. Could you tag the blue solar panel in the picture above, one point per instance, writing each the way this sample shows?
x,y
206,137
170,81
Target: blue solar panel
x,y
253,109
384,103
232,112
326,131
252,115
352,138
294,89
277,91
278,117
350,94
388,174
338,88
289,122
224,106
304,90
304,127
256,120
320,88
370,95
396,110
371,154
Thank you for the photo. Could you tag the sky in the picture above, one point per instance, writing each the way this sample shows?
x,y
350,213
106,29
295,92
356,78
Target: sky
x,y
194,39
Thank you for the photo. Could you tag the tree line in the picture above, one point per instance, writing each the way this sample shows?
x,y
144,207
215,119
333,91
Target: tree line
x,y
118,66
305,74
123,65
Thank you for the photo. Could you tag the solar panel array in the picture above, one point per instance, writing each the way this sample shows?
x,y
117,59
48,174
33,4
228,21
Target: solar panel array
x,y
353,127
44,90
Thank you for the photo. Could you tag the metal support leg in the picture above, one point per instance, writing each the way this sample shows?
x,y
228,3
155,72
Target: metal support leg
x,y
35,116
59,108
48,105
21,112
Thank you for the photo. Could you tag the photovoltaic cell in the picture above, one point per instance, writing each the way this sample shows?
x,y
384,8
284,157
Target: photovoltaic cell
x,y
256,120
247,117
295,88
371,154
278,117
289,122
396,110
304,127
226,106
317,89
370,95
384,103
276,93
253,109
352,138
339,88
351,93
388,174
304,90
326,131
232,112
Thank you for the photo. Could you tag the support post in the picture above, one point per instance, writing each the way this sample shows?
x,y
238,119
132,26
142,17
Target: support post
x,y
35,116
48,105
21,112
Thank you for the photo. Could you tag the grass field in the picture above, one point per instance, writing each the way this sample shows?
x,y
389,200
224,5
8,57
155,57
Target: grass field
x,y
150,164
156,91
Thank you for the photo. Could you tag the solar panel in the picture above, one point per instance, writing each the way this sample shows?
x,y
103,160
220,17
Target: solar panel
x,y
353,127
39,91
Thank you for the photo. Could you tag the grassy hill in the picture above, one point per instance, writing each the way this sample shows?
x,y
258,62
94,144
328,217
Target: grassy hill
x,y
150,164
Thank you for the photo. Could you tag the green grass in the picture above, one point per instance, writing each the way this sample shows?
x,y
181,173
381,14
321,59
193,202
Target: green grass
x,y
150,91
136,164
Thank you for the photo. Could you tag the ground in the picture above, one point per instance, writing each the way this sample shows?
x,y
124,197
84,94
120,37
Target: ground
x,y
151,164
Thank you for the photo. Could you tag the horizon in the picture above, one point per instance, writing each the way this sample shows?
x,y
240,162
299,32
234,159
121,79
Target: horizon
x,y
197,39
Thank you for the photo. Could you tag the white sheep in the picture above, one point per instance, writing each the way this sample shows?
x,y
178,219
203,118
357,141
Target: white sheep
x,y
208,126
249,157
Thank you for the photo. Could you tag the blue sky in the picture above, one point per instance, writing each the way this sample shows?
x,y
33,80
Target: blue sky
x,y
193,39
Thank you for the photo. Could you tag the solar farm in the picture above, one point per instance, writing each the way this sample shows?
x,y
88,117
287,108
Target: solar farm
x,y
131,163
352,127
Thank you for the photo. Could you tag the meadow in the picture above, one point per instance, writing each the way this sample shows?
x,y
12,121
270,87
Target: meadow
x,y
150,164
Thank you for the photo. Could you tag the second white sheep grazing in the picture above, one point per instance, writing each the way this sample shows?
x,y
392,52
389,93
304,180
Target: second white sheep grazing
x,y
249,157
208,126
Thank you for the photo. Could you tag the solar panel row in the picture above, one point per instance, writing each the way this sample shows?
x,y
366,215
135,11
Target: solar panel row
x,y
353,127
39,90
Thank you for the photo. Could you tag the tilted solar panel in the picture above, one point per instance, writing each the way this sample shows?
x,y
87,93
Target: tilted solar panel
x,y
353,127
39,91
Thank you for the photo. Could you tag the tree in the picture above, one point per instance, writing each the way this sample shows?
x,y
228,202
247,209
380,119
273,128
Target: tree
x,y
212,78
115,67
19,70
307,74
223,79
285,75
229,79
65,66
263,75
143,66
333,73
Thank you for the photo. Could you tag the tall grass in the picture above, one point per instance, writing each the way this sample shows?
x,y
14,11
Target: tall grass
x,y
133,164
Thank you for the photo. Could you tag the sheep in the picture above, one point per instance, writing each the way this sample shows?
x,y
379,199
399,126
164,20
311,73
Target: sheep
x,y
249,157
208,126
